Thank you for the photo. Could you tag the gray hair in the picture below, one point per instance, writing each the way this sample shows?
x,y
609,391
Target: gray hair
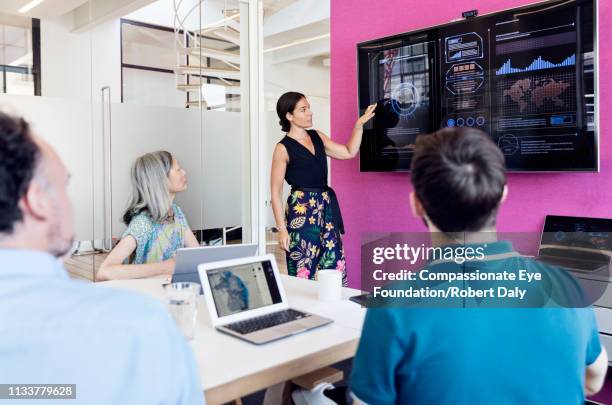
x,y
150,187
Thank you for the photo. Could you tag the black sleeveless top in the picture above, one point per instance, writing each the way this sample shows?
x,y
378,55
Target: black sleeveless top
x,y
305,169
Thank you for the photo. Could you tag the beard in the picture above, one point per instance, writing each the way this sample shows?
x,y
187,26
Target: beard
x,y
61,248
60,245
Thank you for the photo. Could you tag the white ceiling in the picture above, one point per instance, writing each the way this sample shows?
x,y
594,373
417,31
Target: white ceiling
x,y
298,29
273,6
285,21
300,33
55,8
15,21
47,9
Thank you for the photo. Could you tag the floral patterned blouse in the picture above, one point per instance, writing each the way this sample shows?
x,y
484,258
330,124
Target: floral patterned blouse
x,y
156,242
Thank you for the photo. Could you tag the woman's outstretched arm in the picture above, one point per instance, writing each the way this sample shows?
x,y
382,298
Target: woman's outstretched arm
x,y
350,149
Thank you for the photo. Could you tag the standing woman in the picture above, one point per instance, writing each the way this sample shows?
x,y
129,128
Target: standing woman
x,y
311,227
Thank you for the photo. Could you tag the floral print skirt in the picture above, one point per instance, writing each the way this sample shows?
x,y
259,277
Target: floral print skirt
x,y
314,241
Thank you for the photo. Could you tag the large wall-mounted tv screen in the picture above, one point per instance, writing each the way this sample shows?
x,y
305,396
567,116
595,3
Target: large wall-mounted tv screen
x,y
525,76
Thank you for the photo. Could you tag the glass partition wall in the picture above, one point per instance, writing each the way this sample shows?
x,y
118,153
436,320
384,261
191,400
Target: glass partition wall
x,y
184,89
171,76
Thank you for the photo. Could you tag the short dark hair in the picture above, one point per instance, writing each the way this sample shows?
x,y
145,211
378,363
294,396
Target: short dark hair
x,y
18,160
459,176
286,104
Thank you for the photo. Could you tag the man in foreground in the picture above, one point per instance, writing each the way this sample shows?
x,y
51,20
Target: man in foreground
x,y
117,347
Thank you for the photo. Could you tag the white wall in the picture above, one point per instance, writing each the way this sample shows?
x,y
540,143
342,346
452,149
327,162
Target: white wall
x,y
301,76
106,59
65,61
74,68
75,65
66,125
295,15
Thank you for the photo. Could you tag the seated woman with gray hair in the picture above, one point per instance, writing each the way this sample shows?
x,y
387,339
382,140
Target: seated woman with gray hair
x,y
156,227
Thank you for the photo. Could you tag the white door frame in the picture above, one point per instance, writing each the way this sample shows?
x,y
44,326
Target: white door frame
x,y
256,104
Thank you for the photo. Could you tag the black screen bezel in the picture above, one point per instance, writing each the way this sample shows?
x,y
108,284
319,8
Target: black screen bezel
x,y
369,164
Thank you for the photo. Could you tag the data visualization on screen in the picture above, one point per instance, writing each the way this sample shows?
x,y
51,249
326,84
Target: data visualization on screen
x,y
464,73
402,86
525,76
537,98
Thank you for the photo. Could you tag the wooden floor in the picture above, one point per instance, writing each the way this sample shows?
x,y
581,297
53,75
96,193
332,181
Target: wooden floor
x,y
83,267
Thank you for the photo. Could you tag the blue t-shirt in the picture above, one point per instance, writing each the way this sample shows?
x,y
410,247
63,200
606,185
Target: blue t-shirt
x,y
475,355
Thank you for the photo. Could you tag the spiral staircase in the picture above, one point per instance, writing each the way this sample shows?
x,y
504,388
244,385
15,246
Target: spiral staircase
x,y
208,54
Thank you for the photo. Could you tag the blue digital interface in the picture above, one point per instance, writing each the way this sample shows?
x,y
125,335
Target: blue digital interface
x,y
524,76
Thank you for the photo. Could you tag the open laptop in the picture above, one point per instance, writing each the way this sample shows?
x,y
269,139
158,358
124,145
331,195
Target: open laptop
x,y
245,299
188,259
576,243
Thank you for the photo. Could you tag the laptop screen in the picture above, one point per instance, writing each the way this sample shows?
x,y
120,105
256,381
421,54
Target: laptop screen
x,y
243,288
592,234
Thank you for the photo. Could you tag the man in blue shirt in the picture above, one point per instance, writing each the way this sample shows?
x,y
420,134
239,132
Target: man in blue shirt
x,y
473,355
117,347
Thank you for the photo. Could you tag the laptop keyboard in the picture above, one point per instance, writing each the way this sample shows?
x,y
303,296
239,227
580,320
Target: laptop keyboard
x,y
266,321
576,264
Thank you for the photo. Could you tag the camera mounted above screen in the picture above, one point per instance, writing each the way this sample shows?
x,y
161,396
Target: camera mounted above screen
x,y
469,14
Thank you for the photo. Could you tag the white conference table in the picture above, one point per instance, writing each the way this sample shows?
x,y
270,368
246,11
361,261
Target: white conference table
x,y
231,368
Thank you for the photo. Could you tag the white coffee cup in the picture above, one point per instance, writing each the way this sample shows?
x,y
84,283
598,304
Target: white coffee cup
x,y
329,285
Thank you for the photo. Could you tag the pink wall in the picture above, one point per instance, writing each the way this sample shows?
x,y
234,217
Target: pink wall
x,y
379,201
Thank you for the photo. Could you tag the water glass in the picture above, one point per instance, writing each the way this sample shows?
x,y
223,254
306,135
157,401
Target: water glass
x,y
181,300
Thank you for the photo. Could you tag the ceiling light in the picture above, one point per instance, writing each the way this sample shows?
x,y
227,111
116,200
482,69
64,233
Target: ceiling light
x,y
30,6
299,42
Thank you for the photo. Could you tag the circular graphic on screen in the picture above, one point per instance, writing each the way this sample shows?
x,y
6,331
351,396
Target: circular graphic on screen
x,y
405,99
508,144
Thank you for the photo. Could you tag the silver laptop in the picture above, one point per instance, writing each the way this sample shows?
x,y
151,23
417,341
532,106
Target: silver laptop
x,y
245,299
187,259
576,243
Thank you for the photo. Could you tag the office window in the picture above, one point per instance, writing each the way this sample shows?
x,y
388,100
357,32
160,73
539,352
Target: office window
x,y
19,55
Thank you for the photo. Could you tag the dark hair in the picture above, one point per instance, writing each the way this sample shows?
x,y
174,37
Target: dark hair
x,y
18,159
459,176
286,104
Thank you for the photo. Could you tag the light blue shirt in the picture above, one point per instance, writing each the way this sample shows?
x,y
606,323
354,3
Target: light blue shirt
x,y
117,347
